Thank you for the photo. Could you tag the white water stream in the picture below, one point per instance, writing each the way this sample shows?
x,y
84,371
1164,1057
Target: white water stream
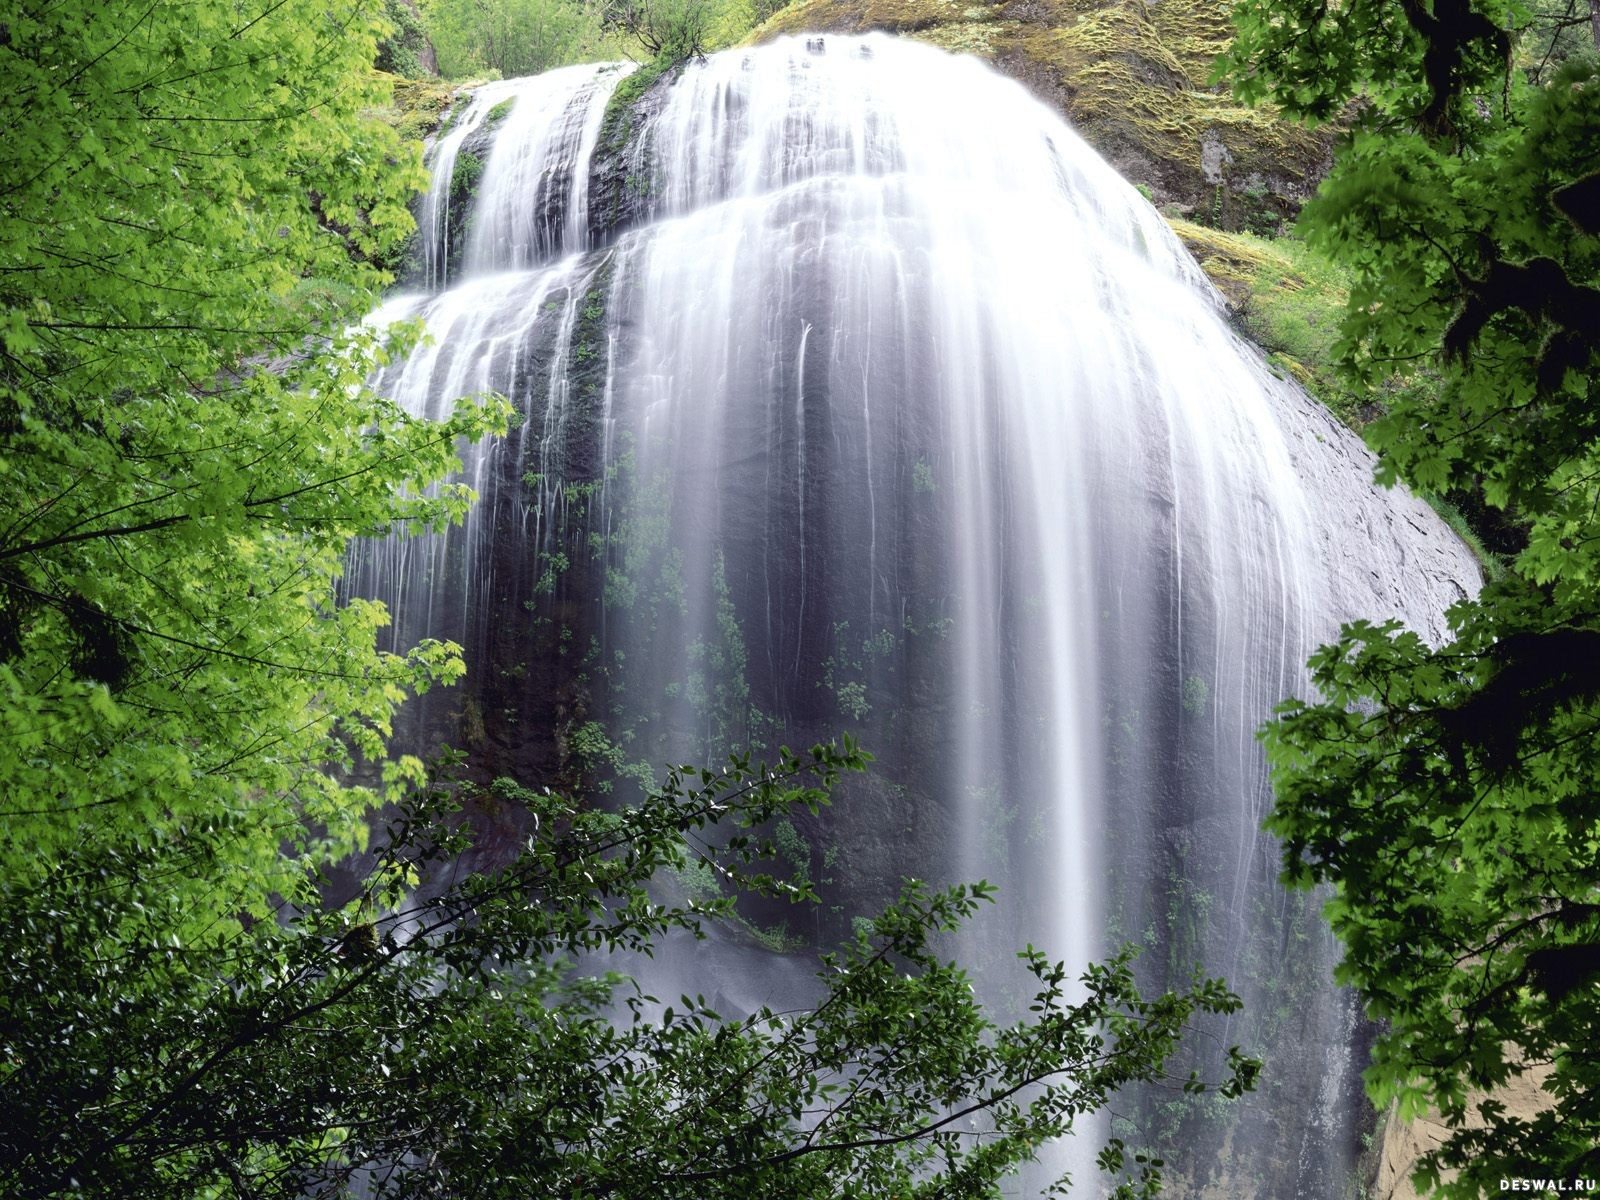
x,y
881,402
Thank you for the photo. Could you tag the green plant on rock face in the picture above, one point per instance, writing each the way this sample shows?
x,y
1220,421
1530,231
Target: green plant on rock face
x,y
832,859
793,848
1494,565
605,761
698,876
1125,730
1196,698
852,700
499,112
578,495
922,477
464,176
1289,299
778,937
1260,217
555,565
842,670
616,125
473,733
717,684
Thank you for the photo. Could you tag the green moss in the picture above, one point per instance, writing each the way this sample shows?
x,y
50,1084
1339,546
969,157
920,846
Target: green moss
x,y
464,176
854,16
1132,80
1493,566
793,848
697,877
499,111
617,124
963,37
776,938
472,729
421,107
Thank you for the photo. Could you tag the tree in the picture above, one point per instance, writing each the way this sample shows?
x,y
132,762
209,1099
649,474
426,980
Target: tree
x,y
512,37
405,50
671,31
1447,792
192,207
470,1042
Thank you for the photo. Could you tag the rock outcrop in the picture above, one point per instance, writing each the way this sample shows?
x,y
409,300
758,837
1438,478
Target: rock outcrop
x,y
1401,1144
1134,79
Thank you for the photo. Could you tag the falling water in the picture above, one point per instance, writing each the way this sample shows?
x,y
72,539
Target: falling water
x,y
859,393
533,189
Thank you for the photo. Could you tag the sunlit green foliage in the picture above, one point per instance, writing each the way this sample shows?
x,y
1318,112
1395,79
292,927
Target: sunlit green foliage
x,y
1448,792
186,443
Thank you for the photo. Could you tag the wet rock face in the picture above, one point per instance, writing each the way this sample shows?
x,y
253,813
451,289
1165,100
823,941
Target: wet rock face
x,y
622,178
1134,80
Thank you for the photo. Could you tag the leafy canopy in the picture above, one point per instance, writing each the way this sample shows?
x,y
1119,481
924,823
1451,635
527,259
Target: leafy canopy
x,y
1448,792
514,37
191,204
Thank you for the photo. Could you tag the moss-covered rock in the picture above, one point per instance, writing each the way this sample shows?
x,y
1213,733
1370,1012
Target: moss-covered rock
x,y
620,175
420,105
1132,77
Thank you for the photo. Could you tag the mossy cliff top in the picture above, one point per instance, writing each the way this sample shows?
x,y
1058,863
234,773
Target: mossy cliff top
x,y
1133,79
418,106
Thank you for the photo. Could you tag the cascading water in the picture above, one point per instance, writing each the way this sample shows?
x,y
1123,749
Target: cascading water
x,y
860,394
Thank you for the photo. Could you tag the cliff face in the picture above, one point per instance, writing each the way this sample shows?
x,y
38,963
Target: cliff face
x,y
1132,77
1402,1143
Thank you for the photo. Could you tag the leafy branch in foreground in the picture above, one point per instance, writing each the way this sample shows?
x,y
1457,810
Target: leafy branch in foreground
x,y
1448,792
473,1039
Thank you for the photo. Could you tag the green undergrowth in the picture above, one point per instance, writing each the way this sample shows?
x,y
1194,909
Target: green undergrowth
x,y
1286,298
1493,565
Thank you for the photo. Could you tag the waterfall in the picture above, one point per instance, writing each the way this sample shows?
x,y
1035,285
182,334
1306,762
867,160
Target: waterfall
x,y
859,393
